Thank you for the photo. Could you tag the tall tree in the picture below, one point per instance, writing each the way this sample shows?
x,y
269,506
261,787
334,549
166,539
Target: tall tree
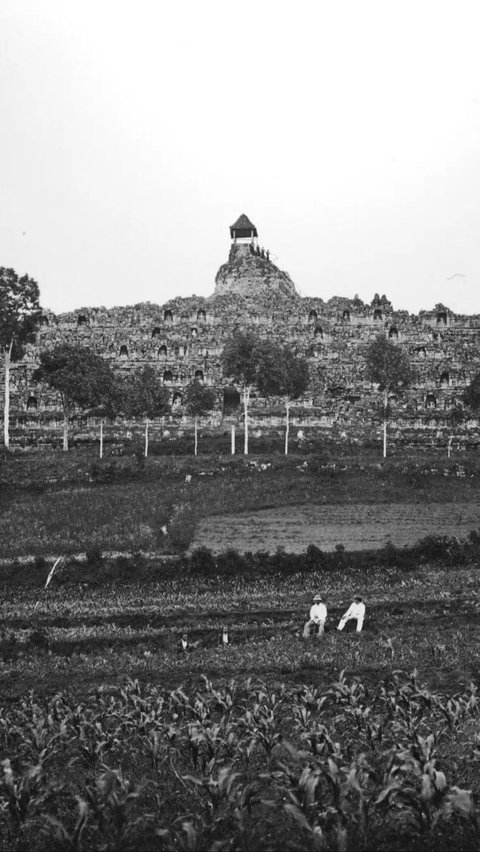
x,y
80,377
145,396
388,366
295,383
19,314
240,362
281,373
198,401
455,418
253,362
471,399
471,394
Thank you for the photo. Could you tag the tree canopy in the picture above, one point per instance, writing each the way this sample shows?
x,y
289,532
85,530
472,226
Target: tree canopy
x,y
19,314
19,310
280,372
79,375
198,399
387,365
144,394
240,357
471,395
275,370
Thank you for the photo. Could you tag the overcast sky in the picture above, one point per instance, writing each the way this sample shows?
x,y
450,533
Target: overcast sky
x,y
133,134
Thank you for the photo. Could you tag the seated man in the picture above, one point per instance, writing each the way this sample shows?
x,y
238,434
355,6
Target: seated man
x,y
356,610
317,618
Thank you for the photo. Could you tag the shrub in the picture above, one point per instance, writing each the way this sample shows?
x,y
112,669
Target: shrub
x,y
442,548
202,561
140,458
390,555
139,561
123,564
182,526
286,562
232,562
39,637
314,558
95,558
474,539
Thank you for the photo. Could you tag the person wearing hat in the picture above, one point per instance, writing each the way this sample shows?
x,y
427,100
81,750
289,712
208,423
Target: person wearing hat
x,y
356,610
317,617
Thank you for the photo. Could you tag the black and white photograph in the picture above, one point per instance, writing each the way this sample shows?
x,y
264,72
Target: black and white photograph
x,y
239,426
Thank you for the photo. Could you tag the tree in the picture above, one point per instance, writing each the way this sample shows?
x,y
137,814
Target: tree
x,y
198,400
19,315
455,418
471,399
471,395
80,377
239,362
281,373
144,395
253,362
387,366
295,383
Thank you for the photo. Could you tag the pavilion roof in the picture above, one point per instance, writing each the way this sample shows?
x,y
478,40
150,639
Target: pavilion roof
x,y
243,223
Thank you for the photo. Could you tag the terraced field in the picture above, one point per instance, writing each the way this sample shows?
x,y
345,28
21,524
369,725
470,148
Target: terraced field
x,y
358,526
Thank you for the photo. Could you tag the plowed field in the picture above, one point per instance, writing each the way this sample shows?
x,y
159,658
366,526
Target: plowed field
x,y
359,526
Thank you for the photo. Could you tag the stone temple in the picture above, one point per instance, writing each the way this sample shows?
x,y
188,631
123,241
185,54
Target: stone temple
x,y
184,338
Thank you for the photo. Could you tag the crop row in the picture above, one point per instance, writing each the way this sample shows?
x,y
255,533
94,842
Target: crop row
x,y
242,767
166,596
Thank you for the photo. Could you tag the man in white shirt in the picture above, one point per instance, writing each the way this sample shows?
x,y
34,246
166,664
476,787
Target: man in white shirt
x,y
317,618
356,610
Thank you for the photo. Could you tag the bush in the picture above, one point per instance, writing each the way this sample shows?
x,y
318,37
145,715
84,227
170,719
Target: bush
x,y
202,561
182,526
315,558
390,555
441,548
139,561
474,539
232,562
287,562
95,558
123,564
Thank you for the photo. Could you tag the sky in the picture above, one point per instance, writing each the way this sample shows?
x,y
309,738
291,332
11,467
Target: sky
x,y
133,134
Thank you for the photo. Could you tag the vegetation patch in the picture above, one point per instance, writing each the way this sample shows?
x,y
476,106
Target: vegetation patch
x,y
71,504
